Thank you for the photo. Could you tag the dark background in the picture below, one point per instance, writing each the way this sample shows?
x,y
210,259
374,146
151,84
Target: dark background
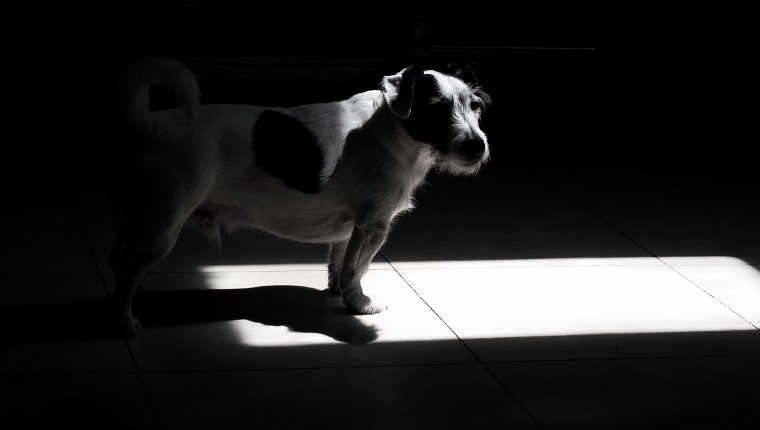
x,y
543,67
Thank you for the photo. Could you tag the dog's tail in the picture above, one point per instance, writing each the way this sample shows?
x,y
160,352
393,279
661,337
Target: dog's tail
x,y
133,97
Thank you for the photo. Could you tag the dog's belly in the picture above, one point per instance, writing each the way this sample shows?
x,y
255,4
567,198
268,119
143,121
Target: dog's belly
x,y
299,225
334,228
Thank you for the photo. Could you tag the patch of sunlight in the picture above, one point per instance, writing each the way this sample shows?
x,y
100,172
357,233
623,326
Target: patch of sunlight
x,y
507,299
262,267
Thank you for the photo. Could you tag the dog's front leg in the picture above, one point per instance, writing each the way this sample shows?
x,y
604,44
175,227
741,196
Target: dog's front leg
x,y
365,241
334,263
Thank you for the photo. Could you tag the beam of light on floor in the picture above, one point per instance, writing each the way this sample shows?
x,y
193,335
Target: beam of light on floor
x,y
502,299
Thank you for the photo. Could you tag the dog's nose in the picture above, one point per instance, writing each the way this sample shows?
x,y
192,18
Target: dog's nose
x,y
473,148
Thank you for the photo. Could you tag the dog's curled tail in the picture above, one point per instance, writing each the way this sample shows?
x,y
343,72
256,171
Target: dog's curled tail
x,y
133,97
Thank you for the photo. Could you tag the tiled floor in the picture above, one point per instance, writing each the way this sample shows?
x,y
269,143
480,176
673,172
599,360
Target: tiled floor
x,y
539,295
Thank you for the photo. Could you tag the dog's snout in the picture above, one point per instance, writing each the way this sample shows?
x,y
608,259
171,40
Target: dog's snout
x,y
474,148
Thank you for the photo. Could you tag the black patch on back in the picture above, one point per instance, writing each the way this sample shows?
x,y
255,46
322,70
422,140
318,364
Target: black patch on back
x,y
288,151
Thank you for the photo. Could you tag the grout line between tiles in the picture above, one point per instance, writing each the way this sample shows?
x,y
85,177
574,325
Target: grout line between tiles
x,y
371,366
144,386
181,272
592,213
291,368
430,307
482,364
652,357
50,273
72,205
73,208
641,246
713,297
76,372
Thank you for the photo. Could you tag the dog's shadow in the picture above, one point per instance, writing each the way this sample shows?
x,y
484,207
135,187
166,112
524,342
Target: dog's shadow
x,y
301,309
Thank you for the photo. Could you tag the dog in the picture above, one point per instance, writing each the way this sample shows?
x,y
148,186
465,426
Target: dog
x,y
336,173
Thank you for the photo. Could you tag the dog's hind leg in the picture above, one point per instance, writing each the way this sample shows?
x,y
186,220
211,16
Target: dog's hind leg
x,y
137,254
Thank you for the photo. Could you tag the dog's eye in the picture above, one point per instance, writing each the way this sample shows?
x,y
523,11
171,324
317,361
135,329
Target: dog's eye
x,y
476,105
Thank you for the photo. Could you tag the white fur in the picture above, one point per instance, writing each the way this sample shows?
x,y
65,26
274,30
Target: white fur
x,y
197,167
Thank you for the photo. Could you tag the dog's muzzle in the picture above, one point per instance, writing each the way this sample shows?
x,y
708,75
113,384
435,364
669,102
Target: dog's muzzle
x,y
473,150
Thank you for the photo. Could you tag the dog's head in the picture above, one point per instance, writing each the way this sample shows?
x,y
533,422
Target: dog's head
x,y
442,108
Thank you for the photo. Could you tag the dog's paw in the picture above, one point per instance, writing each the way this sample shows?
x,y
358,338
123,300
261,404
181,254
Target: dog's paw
x,y
359,303
131,327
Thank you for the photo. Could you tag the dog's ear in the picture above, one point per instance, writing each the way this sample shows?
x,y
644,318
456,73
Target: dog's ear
x,y
398,91
485,97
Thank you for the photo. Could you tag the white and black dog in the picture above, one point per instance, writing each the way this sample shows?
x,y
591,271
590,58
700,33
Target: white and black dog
x,y
335,173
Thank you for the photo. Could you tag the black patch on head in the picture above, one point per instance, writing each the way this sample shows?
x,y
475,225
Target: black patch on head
x,y
288,151
430,120
467,75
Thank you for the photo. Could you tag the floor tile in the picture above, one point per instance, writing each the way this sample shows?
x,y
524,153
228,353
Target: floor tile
x,y
612,295
439,397
82,401
736,286
678,229
665,393
42,238
58,323
580,312
254,320
476,230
